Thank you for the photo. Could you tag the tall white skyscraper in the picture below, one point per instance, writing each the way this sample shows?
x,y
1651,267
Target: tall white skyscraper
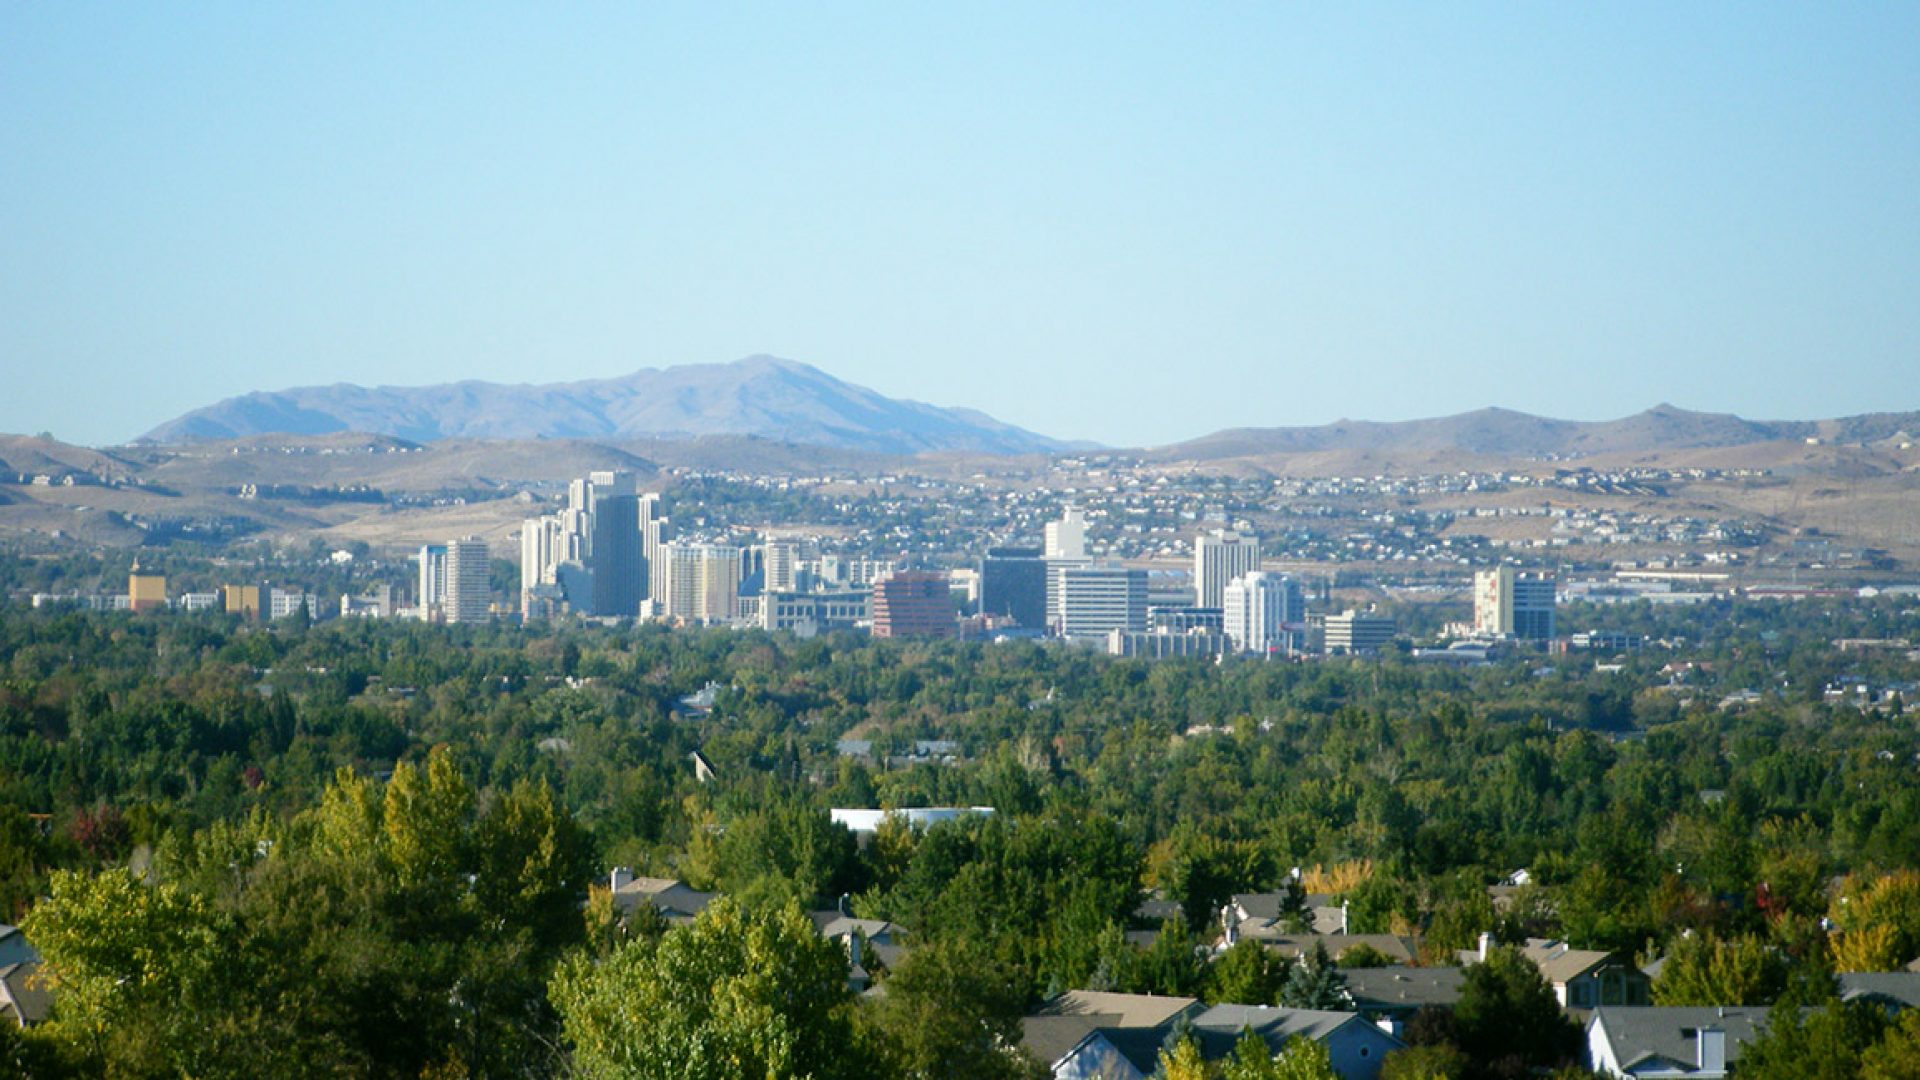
x,y
782,566
469,581
655,530
1264,613
433,582
1067,538
1219,557
1064,547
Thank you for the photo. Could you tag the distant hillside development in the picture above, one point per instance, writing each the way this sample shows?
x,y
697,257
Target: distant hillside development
x,y
759,396
1766,497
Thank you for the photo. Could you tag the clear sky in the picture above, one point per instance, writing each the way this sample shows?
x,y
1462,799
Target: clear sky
x,y
1134,224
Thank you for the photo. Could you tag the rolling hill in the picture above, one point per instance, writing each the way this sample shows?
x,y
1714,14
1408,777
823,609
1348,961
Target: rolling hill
x,y
1509,435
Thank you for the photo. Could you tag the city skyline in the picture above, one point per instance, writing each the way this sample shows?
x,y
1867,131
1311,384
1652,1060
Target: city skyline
x,y
1367,212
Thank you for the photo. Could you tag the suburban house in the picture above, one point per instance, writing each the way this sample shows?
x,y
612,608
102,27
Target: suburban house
x,y
1122,1010
1581,978
866,940
1355,1047
1895,990
1699,1043
1390,996
1075,1048
1091,1035
1084,1035
1396,948
1262,914
673,900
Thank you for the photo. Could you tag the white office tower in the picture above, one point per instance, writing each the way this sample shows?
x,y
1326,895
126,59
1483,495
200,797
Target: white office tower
x,y
1065,547
1098,599
782,563
1265,613
1218,557
1507,603
1067,538
702,582
469,581
655,530
542,547
433,583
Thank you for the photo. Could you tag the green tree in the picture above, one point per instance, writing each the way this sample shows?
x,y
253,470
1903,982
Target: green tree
x,y
1897,1055
951,1012
1172,964
1182,1061
1879,921
1440,1061
131,967
1704,970
1315,982
1249,973
1507,1019
1303,1059
733,995
1825,1044
1252,1059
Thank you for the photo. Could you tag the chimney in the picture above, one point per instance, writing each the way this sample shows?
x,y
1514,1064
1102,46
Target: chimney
x,y
620,878
1486,944
1343,916
1230,930
1711,1046
853,948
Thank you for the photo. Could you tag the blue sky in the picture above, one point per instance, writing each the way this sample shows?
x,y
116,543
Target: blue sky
x,y
1134,224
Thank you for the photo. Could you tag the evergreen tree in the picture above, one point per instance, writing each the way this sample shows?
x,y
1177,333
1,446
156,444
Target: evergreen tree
x,y
1508,1020
1316,983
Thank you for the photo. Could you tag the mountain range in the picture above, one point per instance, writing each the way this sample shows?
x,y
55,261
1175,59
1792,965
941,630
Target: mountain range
x,y
791,403
1505,433
760,396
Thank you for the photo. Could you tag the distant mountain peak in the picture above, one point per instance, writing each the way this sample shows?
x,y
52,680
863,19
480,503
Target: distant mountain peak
x,y
759,395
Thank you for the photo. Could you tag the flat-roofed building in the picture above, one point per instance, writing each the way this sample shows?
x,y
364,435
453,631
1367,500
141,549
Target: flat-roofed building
x,y
1513,603
805,614
1156,646
241,600
1095,600
913,603
1353,633
146,592
1013,586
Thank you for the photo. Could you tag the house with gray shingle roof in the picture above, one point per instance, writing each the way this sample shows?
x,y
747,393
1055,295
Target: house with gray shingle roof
x,y
24,1002
1084,1035
1391,995
1894,989
1355,1047
1697,1043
